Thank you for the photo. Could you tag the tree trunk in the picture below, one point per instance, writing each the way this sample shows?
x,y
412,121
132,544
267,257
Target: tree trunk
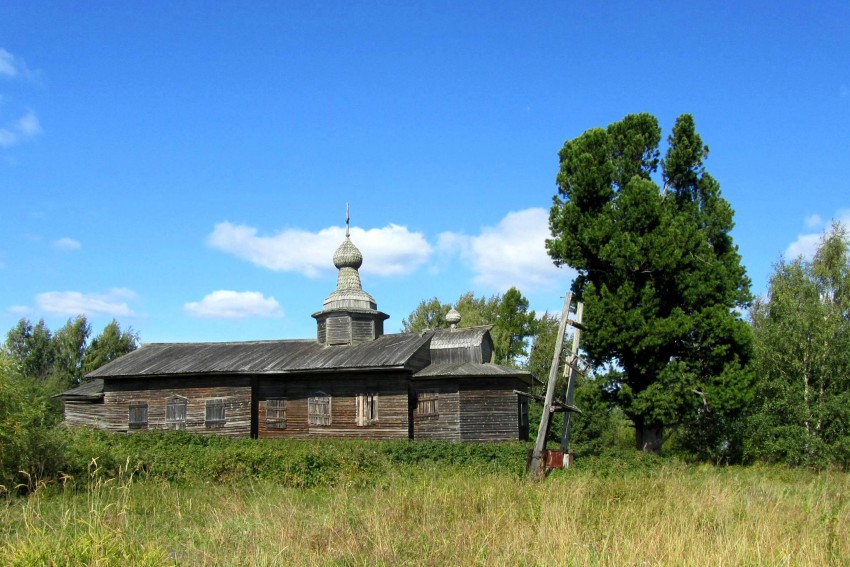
x,y
649,438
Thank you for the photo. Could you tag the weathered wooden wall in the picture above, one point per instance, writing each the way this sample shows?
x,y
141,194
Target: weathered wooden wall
x,y
489,409
391,387
444,425
457,354
84,413
234,391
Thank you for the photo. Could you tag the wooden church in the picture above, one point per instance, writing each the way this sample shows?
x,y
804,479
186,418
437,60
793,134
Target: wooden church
x,y
351,380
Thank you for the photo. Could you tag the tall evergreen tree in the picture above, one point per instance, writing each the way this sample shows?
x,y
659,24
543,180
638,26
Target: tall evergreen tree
x,y
660,278
802,358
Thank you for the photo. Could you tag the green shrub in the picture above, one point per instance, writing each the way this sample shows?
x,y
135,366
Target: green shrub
x,y
29,446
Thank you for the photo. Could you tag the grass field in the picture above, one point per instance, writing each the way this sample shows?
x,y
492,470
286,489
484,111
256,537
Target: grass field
x,y
605,513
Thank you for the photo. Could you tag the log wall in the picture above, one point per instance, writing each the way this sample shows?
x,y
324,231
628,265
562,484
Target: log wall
x,y
88,414
234,391
446,423
489,409
392,405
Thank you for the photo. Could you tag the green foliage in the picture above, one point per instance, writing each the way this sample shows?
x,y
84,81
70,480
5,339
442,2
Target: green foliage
x,y
658,274
543,347
178,456
109,345
29,446
64,357
69,345
514,325
476,311
31,348
802,359
429,314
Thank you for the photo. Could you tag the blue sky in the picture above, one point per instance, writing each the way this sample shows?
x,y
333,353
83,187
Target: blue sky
x,y
184,166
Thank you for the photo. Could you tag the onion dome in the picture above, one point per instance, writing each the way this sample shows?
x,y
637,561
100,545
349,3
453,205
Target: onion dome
x,y
453,318
347,255
349,315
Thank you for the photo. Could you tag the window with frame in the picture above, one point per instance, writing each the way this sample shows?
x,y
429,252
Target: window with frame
x,y
427,402
175,413
138,415
215,416
367,408
319,409
276,414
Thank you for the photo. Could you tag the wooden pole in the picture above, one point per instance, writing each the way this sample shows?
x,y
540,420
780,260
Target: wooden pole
x,y
537,466
570,371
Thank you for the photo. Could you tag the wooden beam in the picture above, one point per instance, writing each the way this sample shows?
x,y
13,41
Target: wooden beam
x,y
571,371
557,405
537,466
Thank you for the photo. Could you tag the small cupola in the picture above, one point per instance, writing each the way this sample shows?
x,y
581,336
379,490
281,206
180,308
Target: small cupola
x,y
349,315
453,318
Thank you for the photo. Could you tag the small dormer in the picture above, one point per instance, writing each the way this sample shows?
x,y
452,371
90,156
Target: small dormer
x,y
457,345
349,315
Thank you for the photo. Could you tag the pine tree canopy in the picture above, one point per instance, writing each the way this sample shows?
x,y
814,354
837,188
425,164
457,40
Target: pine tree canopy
x,y
661,280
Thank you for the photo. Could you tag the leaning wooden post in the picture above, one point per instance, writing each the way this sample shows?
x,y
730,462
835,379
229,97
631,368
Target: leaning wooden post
x,y
537,466
571,373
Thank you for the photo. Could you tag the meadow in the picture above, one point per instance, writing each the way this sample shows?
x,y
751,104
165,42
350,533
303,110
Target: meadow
x,y
416,504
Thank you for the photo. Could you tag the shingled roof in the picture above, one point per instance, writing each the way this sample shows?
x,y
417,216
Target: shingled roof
x,y
459,337
472,370
87,391
268,357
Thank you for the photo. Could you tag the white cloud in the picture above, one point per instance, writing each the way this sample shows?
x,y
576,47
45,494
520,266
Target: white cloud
x,y
512,253
66,244
807,244
8,65
112,303
28,125
24,128
389,251
15,68
226,304
19,309
813,221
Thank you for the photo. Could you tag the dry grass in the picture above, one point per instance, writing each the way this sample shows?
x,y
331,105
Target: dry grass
x,y
669,516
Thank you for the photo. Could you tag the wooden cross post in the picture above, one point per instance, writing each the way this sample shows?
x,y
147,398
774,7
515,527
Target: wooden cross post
x,y
570,371
537,465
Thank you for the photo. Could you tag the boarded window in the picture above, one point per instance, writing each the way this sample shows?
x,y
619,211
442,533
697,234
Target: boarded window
x,y
276,414
367,408
215,417
523,412
427,402
175,414
319,409
138,415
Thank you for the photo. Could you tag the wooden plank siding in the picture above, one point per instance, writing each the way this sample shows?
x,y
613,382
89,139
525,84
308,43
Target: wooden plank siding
x,y
85,413
233,391
392,405
445,424
489,409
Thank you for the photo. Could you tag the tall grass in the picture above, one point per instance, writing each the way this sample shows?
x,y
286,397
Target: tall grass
x,y
428,514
